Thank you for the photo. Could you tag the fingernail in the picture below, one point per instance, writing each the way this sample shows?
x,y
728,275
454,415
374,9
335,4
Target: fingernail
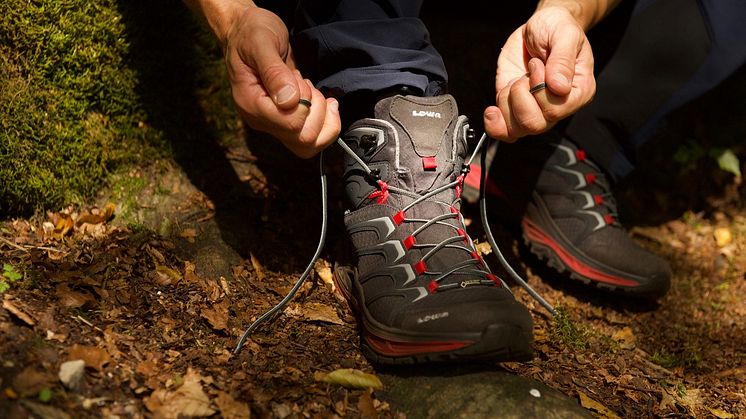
x,y
531,67
335,106
561,80
285,94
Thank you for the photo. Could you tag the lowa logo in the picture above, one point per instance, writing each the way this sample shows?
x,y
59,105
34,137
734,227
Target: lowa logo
x,y
429,114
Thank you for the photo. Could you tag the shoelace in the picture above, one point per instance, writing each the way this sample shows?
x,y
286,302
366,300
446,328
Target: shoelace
x,y
381,196
604,199
384,189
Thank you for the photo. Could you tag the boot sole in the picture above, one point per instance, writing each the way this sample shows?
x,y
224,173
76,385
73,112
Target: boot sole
x,y
385,345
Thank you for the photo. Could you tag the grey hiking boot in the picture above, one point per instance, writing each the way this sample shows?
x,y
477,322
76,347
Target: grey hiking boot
x,y
421,290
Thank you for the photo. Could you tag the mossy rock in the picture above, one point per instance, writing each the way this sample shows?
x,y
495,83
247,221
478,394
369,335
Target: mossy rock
x,y
77,80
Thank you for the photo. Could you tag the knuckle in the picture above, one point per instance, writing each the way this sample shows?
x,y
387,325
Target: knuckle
x,y
553,114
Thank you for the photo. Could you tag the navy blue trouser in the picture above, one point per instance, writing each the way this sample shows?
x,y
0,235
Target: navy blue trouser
x,y
672,52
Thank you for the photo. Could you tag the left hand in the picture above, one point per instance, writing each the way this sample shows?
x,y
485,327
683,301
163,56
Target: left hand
x,y
550,47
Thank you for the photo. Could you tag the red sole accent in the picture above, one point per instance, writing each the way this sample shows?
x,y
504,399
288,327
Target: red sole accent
x,y
475,175
535,234
398,348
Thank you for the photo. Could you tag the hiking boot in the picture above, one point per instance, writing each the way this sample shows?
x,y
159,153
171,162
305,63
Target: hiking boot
x,y
570,217
421,290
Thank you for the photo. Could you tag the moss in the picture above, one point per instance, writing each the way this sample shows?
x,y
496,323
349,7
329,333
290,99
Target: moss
x,y
564,331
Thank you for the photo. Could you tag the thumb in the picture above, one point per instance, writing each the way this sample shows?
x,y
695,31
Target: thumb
x,y
277,77
560,65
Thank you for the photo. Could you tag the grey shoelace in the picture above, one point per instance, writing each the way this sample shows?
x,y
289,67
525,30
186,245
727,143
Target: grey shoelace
x,y
417,199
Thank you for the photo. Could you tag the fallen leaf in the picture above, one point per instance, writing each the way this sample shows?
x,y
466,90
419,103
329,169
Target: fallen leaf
x,y
258,269
17,312
483,248
723,236
217,316
316,312
73,299
595,406
166,276
625,337
351,378
324,271
365,407
189,400
93,356
720,413
31,381
230,408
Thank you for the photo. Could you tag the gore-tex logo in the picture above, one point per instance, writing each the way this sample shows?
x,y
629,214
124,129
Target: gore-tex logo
x,y
429,114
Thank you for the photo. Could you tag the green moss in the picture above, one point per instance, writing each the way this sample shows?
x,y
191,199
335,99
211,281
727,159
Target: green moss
x,y
564,331
69,111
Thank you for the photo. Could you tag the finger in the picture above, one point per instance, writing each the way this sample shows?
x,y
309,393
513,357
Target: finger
x,y
309,135
503,103
536,72
305,92
332,125
494,123
560,65
277,77
526,116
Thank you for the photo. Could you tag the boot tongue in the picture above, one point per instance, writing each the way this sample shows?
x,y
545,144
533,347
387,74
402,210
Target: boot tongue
x,y
424,120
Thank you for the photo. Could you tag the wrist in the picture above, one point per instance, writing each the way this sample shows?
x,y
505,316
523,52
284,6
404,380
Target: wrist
x,y
586,12
219,15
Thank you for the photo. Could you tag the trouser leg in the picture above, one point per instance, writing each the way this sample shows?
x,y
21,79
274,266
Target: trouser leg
x,y
352,46
672,52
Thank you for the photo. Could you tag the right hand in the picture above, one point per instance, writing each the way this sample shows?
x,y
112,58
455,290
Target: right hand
x,y
266,85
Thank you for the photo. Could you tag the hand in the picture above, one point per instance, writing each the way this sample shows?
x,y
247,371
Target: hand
x,y
267,87
552,48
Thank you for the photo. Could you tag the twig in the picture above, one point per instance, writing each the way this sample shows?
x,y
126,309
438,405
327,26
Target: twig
x,y
87,322
11,244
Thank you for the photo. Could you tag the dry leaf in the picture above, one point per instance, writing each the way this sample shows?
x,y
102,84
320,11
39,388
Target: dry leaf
x,y
625,337
31,381
351,378
324,271
723,236
73,299
316,312
365,406
93,356
189,234
258,269
483,248
166,276
230,408
720,413
595,406
217,316
44,411
189,400
17,312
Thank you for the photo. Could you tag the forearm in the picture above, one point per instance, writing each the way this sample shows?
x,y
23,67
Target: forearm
x,y
219,14
586,12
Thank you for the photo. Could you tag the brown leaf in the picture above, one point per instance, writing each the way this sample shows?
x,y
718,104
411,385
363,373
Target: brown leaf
x,y
164,275
93,356
349,377
30,381
324,271
316,312
720,413
258,269
189,400
73,299
189,234
595,406
44,411
625,337
365,406
17,312
217,316
231,408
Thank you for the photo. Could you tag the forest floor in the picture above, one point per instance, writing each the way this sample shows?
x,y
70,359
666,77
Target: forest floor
x,y
152,286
